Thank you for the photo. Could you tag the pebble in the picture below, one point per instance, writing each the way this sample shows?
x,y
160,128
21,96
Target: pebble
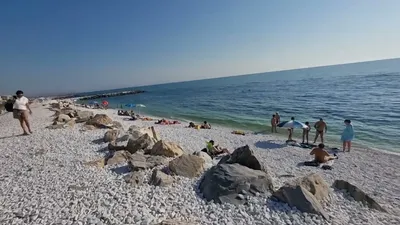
x,y
35,188
241,197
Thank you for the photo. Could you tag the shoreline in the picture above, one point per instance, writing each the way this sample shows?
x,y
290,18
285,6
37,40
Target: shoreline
x,y
281,135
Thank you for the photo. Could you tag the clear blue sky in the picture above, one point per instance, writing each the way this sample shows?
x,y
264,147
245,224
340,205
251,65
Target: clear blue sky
x,y
49,46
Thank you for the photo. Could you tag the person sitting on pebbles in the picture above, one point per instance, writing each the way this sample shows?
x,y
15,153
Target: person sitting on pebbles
x,y
206,125
320,155
214,150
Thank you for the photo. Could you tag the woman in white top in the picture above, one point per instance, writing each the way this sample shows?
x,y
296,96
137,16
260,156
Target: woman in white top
x,y
21,109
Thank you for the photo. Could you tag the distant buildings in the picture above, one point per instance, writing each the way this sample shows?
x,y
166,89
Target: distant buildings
x,y
6,97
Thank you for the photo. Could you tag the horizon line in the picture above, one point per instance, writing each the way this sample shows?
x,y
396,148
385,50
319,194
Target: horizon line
x,y
220,77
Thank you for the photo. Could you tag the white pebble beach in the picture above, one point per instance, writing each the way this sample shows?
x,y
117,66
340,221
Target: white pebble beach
x,y
38,171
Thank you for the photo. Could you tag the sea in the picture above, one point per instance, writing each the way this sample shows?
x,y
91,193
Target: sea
x,y
367,93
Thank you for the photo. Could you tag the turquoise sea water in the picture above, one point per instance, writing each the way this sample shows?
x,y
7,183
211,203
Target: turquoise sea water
x,y
366,93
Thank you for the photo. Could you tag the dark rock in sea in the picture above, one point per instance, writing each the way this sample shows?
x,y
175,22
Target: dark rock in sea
x,y
105,95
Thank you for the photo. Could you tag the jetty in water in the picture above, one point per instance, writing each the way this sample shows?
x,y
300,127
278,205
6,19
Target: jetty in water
x,y
104,95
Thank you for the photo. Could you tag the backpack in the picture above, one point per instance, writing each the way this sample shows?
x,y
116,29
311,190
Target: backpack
x,y
9,106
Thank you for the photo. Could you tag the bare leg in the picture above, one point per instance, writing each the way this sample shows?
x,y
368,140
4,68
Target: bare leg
x,y
26,120
219,150
348,146
307,136
290,134
322,137
329,158
344,146
226,151
304,136
316,137
22,123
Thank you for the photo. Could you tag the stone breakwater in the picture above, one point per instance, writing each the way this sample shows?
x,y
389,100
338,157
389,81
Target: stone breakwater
x,y
104,95
95,167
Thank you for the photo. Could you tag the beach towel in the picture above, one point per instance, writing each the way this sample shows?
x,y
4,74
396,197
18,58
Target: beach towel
x,y
308,146
147,119
168,122
311,163
328,165
325,166
238,132
293,143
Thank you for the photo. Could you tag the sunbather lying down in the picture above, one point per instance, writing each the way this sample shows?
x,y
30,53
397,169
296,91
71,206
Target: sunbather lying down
x,y
166,122
125,113
192,125
214,150
238,132
195,126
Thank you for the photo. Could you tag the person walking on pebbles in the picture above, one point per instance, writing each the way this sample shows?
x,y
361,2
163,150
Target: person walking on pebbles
x,y
21,112
347,135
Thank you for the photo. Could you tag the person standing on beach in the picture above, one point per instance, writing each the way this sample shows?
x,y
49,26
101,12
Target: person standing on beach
x,y
20,110
347,135
277,118
273,124
320,128
290,130
306,131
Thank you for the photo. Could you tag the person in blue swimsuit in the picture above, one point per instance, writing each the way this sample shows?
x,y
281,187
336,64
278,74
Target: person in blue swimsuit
x,y
347,135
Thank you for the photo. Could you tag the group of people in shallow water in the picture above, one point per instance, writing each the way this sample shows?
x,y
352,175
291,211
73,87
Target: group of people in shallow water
x,y
320,129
